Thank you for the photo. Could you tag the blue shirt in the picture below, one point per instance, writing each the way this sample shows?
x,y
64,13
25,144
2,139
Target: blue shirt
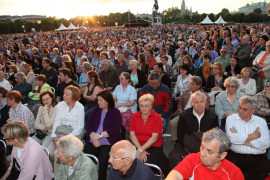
x,y
125,96
83,79
24,89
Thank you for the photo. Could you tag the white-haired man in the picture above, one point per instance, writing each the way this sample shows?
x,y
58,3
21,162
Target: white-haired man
x,y
56,58
125,165
74,164
108,75
249,135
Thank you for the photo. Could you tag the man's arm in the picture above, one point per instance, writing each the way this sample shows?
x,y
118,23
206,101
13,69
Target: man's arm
x,y
174,175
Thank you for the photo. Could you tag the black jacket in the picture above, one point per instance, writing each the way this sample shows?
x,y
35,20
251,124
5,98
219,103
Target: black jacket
x,y
4,115
210,83
166,80
188,123
141,78
51,76
109,78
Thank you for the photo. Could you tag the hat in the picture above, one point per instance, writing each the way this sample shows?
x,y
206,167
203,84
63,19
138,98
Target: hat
x,y
267,81
265,37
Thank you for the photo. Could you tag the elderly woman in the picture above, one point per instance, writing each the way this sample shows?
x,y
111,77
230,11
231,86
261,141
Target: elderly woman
x,y
182,82
103,130
86,66
4,108
42,85
69,118
137,75
22,86
246,84
13,69
122,65
45,119
70,154
93,87
27,155
227,102
146,134
125,97
262,63
233,69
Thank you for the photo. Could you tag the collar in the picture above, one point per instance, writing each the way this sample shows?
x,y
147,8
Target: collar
x,y
18,107
73,167
196,114
130,170
251,118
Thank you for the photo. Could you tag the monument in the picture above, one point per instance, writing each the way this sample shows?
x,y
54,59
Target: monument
x,y
156,19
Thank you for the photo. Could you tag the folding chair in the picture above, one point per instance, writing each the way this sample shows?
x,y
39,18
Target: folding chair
x,y
94,159
5,146
155,168
76,77
53,90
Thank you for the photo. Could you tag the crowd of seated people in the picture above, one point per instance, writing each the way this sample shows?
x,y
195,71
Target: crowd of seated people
x,y
83,95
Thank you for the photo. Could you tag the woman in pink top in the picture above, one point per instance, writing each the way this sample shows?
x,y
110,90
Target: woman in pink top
x,y
32,160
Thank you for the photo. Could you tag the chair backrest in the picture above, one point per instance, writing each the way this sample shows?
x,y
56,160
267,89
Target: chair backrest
x,y
53,90
46,151
4,144
94,159
11,87
156,168
76,77
36,75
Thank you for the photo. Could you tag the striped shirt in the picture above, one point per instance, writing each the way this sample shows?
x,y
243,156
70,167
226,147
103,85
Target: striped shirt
x,y
243,129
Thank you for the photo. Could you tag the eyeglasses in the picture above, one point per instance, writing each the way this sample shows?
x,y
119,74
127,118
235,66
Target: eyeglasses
x,y
223,51
231,86
144,106
116,159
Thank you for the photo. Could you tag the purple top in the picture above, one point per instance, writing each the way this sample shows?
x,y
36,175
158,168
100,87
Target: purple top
x,y
103,141
213,55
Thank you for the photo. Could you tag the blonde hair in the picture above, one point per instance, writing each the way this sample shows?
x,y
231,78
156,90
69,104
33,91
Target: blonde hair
x,y
246,68
27,67
220,67
67,57
15,130
121,56
147,97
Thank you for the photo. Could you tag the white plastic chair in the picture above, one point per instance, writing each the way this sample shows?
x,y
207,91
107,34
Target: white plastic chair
x,y
77,78
53,90
155,167
94,159
5,146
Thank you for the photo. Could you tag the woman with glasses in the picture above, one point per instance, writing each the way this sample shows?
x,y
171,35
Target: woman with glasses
x,y
146,134
227,102
27,155
134,52
103,130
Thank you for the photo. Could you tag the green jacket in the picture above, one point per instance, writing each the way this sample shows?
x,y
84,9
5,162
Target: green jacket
x,y
85,170
43,88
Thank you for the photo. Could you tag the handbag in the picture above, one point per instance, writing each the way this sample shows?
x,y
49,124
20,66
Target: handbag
x,y
15,171
40,134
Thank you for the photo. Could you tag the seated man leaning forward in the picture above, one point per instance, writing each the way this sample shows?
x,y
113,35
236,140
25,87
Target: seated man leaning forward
x,y
74,164
125,165
210,162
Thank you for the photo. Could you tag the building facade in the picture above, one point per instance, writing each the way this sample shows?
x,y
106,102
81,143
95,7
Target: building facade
x,y
248,8
31,18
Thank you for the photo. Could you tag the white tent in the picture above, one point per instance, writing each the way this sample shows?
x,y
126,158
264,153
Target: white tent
x,y
72,27
61,28
207,21
220,21
82,28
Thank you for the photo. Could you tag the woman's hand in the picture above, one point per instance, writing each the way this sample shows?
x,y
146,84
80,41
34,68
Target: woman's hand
x,y
173,95
259,71
55,140
144,156
138,154
35,94
177,98
94,136
242,90
96,143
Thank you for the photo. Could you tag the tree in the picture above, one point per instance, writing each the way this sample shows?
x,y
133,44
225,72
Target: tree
x,y
251,17
217,16
257,11
186,18
235,17
196,17
211,17
45,25
4,28
203,16
228,17
224,11
241,17
18,25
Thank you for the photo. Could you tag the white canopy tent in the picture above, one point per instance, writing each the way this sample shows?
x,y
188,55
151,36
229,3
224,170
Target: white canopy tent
x,y
72,27
61,28
207,21
82,28
220,21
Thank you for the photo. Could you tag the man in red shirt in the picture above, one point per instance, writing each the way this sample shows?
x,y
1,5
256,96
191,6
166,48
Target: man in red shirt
x,y
210,162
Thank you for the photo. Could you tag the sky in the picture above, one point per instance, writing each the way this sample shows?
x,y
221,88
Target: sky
x,y
72,8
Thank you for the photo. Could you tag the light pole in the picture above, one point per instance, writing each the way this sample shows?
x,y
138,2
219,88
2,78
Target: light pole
x,y
165,13
23,28
153,15
87,24
38,21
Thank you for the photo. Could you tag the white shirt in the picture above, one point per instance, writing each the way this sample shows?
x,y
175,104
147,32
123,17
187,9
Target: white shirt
x,y
19,154
72,168
6,84
244,128
199,118
75,118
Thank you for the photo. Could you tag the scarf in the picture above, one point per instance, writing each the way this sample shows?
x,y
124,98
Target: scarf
x,y
39,88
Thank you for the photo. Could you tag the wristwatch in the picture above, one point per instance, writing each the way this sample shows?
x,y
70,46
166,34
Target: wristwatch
x,y
100,135
139,149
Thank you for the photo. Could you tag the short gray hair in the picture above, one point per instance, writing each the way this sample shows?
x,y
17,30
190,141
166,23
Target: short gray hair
x,y
71,146
230,80
154,76
197,80
107,62
133,154
126,51
196,94
87,66
55,49
147,97
249,100
20,75
216,133
134,61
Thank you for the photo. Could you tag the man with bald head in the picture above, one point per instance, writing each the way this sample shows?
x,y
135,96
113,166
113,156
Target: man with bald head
x,y
125,165
243,52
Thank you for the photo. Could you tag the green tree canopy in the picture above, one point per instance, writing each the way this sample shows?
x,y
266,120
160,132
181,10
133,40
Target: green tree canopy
x,y
241,17
217,16
211,17
186,18
224,11
257,11
203,16
228,17
251,17
235,17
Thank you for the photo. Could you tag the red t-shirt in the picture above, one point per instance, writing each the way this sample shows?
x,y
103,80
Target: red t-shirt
x,y
143,133
191,167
